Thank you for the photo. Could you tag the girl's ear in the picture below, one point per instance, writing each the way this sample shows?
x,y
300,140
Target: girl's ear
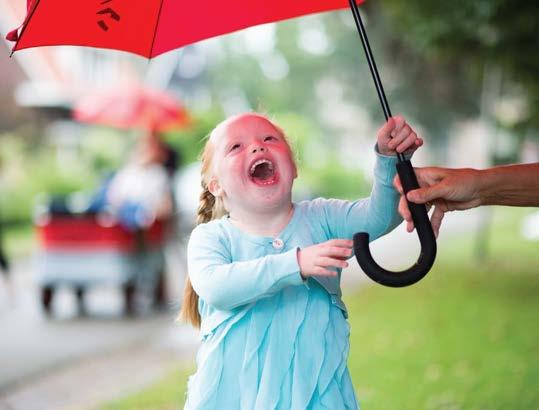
x,y
215,188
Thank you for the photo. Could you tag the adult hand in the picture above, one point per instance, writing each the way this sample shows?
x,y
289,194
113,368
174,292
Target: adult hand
x,y
316,259
446,189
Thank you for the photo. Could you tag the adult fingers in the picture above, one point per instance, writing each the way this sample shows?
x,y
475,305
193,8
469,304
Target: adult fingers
x,y
403,209
436,219
423,177
426,194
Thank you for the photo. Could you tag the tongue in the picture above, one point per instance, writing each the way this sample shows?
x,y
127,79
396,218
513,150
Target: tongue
x,y
263,172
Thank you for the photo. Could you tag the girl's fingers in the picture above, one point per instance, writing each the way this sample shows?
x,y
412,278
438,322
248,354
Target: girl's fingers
x,y
407,143
336,251
343,258
400,122
400,135
327,262
342,243
418,143
384,133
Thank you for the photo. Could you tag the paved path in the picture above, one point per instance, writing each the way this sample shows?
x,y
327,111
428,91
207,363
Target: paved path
x,y
50,362
95,379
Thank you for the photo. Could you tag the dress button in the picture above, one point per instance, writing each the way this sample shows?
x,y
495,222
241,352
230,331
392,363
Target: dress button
x,y
277,243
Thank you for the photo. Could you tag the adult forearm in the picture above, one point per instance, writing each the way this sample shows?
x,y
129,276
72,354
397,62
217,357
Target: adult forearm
x,y
512,185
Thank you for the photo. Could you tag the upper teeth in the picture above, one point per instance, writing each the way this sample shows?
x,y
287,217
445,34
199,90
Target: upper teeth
x,y
261,161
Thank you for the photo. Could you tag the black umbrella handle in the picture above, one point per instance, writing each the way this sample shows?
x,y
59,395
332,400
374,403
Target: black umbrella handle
x,y
424,231
409,182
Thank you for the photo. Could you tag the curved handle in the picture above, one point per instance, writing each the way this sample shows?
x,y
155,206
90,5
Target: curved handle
x,y
426,238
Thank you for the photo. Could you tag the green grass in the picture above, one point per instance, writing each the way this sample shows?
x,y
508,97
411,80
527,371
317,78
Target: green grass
x,y
165,394
465,337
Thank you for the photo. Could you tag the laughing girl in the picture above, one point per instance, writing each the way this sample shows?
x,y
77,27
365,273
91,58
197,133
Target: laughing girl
x,y
264,272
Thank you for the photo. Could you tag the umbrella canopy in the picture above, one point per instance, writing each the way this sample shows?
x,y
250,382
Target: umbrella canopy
x,y
131,107
150,27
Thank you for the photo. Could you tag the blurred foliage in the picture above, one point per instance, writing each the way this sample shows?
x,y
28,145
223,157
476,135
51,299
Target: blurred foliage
x,y
433,58
467,37
189,142
104,149
421,89
28,172
320,171
332,181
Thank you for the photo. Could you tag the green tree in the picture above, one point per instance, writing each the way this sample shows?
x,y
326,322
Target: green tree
x,y
474,34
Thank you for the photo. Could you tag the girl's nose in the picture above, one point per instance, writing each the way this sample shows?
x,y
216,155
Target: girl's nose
x,y
258,149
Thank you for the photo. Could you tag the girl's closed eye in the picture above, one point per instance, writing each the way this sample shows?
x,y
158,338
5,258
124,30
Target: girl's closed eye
x,y
234,147
269,138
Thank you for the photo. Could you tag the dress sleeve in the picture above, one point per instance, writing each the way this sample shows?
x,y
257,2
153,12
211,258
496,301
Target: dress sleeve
x,y
376,215
225,284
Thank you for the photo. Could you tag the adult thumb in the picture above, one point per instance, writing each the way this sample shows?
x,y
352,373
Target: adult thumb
x,y
423,195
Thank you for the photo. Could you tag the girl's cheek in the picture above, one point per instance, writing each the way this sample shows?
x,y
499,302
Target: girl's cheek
x,y
235,169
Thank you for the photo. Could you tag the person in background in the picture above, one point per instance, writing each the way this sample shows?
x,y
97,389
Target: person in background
x,y
450,189
140,192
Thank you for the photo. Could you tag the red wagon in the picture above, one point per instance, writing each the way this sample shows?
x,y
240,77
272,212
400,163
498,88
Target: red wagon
x,y
82,251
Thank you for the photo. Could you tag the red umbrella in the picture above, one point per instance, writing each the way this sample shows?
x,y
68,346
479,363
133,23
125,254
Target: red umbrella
x,y
132,107
152,27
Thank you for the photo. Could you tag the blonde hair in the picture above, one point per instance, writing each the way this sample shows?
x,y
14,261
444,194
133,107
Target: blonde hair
x,y
210,207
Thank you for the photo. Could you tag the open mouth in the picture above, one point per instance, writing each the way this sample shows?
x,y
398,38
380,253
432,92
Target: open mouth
x,y
262,172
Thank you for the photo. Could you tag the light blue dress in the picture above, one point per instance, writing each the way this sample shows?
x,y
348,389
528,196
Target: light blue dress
x,y
269,339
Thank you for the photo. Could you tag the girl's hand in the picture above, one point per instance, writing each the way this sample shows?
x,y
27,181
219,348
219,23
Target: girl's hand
x,y
396,136
314,260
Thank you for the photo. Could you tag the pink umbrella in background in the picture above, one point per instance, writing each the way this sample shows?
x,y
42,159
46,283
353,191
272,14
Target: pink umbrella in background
x,y
129,107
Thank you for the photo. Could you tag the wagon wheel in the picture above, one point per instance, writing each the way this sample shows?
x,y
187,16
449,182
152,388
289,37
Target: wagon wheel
x,y
160,294
47,294
79,292
129,298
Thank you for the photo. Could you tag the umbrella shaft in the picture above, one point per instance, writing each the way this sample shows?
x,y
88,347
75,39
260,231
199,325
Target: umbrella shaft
x,y
372,64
